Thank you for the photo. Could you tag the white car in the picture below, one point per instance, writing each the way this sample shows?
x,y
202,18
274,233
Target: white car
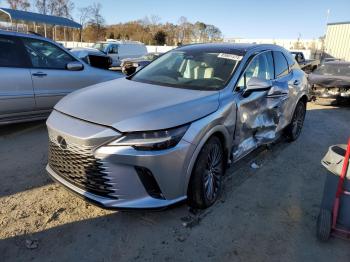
x,y
119,50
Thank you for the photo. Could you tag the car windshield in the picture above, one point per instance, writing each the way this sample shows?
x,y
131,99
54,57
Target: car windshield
x,y
334,70
100,46
190,69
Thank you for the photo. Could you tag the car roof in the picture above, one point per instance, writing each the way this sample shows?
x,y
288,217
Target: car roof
x,y
235,48
30,35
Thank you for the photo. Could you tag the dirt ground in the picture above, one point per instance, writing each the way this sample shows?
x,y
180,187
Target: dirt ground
x,y
265,214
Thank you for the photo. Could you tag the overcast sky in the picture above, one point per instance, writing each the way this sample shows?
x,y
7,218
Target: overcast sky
x,y
235,18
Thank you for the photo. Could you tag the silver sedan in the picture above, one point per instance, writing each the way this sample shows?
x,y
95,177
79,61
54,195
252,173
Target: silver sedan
x,y
35,73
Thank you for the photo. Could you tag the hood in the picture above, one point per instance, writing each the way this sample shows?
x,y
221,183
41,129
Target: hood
x,y
329,80
84,51
128,106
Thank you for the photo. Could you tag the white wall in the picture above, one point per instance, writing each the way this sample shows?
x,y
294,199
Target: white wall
x,y
337,41
159,49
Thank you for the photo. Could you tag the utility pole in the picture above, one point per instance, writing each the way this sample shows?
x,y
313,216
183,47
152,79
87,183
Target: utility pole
x,y
44,4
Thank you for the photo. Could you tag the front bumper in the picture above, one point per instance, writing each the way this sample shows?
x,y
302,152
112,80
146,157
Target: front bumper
x,y
116,165
330,92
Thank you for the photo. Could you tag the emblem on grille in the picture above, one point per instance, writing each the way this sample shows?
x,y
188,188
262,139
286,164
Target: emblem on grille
x,y
62,142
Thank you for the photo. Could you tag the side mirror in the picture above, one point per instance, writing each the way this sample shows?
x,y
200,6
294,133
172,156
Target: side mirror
x,y
257,84
75,66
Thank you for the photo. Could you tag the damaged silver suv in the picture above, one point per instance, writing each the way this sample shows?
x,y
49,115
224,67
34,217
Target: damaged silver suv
x,y
166,133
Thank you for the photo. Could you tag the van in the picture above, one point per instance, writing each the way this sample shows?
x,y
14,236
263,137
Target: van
x,y
119,50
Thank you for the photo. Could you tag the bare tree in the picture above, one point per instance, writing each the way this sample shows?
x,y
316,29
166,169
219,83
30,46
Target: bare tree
x,y
85,14
19,4
62,8
95,28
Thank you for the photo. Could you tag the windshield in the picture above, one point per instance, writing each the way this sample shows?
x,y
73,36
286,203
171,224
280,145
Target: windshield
x,y
100,46
334,70
188,69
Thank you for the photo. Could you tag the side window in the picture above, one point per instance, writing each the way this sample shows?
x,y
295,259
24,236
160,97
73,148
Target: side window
x,y
261,67
113,49
281,65
291,61
11,53
46,55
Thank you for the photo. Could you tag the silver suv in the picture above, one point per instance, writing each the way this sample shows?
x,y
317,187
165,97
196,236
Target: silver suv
x,y
35,73
167,133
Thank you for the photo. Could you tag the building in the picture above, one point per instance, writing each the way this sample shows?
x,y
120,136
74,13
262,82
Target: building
x,y
337,42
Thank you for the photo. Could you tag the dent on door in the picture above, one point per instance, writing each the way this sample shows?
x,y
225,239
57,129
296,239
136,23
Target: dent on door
x,y
260,118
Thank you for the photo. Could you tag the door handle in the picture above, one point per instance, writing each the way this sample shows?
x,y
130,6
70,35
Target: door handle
x,y
296,82
39,74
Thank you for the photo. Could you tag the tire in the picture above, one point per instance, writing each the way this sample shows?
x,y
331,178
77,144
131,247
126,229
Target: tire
x,y
324,225
206,181
293,130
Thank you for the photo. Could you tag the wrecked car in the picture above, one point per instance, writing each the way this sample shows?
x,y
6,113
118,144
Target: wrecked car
x,y
330,83
130,65
93,57
308,65
167,133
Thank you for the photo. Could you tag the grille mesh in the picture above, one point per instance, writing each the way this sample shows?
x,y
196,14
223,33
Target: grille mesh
x,y
77,165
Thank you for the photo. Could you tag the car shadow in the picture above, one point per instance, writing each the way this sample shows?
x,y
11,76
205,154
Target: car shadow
x,y
23,154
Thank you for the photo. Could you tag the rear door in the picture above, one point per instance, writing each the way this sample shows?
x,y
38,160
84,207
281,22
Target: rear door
x,y
282,93
16,90
51,79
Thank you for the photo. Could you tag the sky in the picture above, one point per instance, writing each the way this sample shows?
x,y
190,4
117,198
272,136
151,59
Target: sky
x,y
235,18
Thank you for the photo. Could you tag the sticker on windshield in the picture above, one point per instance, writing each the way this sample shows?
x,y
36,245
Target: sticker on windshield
x,y
230,56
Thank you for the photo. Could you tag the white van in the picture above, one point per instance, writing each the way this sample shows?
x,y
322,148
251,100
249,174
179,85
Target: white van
x,y
119,50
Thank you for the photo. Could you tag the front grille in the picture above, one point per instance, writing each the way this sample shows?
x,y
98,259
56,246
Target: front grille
x,y
78,166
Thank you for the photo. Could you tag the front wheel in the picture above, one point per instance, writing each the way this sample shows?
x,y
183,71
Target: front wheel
x,y
293,131
206,180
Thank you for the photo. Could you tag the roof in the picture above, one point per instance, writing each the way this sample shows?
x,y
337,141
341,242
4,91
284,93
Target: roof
x,y
39,18
235,48
340,23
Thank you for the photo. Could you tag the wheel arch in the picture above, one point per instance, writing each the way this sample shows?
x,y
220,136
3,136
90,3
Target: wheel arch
x,y
218,131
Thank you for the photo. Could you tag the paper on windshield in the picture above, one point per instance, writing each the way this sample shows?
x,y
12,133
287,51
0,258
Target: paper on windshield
x,y
230,56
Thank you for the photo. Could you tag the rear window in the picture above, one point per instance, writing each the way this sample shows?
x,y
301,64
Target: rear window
x,y
11,53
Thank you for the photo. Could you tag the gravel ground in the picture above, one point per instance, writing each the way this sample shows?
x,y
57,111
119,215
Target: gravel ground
x,y
265,214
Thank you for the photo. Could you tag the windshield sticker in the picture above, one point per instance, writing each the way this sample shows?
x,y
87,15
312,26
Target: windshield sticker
x,y
230,56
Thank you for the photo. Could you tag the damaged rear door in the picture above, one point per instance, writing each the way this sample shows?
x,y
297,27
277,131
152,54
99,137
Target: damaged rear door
x,y
261,114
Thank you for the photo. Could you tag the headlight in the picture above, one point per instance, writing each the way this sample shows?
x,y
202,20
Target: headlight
x,y
135,65
152,140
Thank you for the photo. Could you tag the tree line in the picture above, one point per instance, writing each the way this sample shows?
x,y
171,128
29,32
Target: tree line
x,y
148,30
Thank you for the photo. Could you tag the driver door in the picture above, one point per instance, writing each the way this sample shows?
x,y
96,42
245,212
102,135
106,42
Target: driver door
x,y
257,117
51,79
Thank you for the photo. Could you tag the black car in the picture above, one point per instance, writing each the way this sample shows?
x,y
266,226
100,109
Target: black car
x,y
93,57
129,65
330,83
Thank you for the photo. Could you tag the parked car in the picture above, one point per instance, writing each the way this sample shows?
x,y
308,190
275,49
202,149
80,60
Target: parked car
x,y
308,65
93,57
119,50
330,83
129,65
35,73
167,133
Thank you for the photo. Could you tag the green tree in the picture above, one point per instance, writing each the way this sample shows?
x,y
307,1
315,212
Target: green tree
x,y
160,38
